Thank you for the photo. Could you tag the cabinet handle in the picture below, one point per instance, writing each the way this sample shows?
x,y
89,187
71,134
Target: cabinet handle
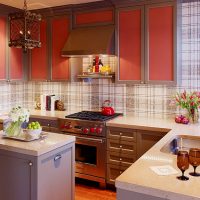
x,y
57,157
30,164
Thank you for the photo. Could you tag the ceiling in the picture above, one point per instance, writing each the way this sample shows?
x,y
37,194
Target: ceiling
x,y
37,4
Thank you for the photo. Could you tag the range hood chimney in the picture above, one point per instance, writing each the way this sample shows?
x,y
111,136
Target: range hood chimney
x,y
90,41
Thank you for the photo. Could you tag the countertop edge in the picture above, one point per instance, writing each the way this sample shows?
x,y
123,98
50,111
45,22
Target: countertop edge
x,y
152,191
69,140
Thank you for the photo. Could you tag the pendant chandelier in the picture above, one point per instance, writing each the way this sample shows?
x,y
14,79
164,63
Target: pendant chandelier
x,y
24,29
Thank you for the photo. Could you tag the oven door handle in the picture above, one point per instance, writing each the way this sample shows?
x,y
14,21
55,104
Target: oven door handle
x,y
91,139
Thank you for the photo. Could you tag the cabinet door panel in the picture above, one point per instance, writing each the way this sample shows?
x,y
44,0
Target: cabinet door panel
x,y
130,48
16,64
39,70
85,18
3,48
160,56
12,170
55,171
60,65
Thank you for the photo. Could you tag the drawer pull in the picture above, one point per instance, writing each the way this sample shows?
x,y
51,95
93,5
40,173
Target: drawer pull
x,y
57,157
120,159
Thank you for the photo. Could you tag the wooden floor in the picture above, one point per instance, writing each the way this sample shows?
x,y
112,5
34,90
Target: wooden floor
x,y
93,192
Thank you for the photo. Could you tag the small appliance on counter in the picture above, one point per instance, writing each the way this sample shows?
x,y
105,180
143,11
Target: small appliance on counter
x,y
107,108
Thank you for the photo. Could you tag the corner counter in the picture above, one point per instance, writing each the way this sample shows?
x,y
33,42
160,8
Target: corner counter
x,y
139,180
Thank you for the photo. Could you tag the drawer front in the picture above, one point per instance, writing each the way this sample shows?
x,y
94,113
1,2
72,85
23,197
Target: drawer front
x,y
118,158
121,146
113,171
122,134
45,122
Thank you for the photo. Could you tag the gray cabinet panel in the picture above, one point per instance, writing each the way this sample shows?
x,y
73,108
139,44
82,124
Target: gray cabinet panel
x,y
56,171
11,170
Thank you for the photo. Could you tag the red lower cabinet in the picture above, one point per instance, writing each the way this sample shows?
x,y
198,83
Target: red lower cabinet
x,y
60,32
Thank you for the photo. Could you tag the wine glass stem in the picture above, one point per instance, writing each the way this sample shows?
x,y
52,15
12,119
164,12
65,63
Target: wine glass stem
x,y
195,169
182,172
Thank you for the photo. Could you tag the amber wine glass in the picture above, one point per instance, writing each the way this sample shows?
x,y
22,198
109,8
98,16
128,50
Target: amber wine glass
x,y
183,164
194,160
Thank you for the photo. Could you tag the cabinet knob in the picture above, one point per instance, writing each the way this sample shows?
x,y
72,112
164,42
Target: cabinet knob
x,y
120,134
120,146
30,164
120,159
120,172
48,125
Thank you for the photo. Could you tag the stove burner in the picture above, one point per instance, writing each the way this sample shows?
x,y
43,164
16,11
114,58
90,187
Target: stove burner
x,y
92,116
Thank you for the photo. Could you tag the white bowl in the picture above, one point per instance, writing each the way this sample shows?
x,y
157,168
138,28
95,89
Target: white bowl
x,y
35,133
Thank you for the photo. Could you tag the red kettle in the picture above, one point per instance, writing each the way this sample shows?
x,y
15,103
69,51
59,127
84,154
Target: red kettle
x,y
107,109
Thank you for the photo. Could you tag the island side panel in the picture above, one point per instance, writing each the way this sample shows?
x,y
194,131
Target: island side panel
x,y
56,174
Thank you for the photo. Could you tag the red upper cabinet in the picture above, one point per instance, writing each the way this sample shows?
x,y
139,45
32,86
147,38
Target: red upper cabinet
x,y
96,17
60,31
147,56
16,64
3,48
160,63
39,64
13,69
130,38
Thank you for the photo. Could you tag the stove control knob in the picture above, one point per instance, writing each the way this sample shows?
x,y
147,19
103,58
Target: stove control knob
x,y
68,126
92,129
85,130
99,130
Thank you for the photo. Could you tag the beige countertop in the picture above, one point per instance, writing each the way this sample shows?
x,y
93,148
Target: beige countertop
x,y
37,147
140,178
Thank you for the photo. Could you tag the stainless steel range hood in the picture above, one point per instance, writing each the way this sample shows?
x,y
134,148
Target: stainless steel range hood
x,y
90,41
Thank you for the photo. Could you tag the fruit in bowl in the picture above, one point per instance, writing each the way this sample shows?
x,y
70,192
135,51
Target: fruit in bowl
x,y
34,129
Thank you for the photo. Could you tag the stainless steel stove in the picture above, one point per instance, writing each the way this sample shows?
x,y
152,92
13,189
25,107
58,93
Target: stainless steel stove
x,y
90,130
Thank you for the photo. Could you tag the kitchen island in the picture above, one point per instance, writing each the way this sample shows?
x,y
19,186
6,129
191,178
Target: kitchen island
x,y
139,182
39,170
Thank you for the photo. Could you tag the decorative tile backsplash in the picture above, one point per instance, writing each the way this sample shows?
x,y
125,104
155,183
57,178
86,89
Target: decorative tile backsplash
x,y
138,99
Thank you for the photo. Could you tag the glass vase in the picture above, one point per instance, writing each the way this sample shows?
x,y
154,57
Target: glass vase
x,y
13,129
193,115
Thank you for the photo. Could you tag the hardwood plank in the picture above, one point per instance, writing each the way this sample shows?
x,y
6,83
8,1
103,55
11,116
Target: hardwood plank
x,y
93,192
